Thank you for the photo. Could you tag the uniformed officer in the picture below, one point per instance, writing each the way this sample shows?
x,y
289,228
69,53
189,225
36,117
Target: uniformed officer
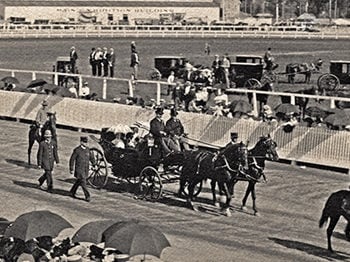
x,y
79,165
47,155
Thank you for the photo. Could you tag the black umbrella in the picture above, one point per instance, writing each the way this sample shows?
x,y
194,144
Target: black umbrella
x,y
64,92
35,224
36,83
315,111
241,106
134,238
340,118
51,87
287,108
92,231
10,80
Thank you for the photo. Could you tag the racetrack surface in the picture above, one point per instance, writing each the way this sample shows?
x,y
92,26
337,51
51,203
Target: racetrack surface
x,y
290,206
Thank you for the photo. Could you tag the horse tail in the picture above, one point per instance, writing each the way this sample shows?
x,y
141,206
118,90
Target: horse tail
x,y
323,218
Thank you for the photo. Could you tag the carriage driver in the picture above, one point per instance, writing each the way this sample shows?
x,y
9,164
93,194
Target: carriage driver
x,y
158,130
41,116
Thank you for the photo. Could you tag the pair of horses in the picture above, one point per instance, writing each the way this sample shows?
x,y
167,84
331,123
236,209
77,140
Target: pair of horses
x,y
305,69
240,164
35,134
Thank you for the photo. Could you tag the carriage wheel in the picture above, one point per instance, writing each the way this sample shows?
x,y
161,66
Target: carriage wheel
x,y
270,78
150,184
252,83
98,170
328,82
197,189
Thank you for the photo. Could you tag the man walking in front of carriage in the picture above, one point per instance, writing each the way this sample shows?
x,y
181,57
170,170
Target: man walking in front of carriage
x,y
47,156
79,164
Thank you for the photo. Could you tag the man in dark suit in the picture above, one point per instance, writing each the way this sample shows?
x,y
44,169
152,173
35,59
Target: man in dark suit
x,y
105,61
47,155
157,129
79,164
92,61
111,62
73,59
176,132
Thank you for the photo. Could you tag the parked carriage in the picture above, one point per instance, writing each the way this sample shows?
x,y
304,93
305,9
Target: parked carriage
x,y
63,65
144,165
166,64
339,73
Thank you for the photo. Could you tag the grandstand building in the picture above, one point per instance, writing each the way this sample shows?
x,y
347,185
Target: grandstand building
x,y
116,11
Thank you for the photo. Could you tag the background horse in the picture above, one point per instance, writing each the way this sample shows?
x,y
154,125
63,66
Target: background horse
x,y
337,205
293,69
200,165
261,98
264,149
35,135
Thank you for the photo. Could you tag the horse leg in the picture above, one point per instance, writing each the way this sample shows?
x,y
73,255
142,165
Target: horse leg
x,y
226,207
30,146
347,231
213,185
254,198
191,187
182,187
331,226
244,201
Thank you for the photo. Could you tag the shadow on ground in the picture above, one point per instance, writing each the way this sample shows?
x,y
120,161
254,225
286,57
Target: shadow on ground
x,y
55,191
311,249
21,163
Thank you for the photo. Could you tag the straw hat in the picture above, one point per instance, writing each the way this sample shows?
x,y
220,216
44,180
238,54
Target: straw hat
x,y
47,133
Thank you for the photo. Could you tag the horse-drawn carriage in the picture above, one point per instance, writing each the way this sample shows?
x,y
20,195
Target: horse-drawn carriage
x,y
144,165
63,65
339,73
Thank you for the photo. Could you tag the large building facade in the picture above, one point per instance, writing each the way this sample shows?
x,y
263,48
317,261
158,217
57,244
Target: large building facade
x,y
112,11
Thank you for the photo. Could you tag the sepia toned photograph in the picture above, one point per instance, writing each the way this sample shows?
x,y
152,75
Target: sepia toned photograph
x,y
174,130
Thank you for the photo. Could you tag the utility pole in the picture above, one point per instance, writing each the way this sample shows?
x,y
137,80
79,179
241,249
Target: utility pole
x,y
330,9
277,12
335,8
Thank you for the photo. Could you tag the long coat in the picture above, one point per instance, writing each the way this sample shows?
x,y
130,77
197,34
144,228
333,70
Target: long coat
x,y
174,127
47,155
79,162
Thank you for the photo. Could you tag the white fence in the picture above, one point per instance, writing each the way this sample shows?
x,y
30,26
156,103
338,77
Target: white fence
x,y
60,31
158,84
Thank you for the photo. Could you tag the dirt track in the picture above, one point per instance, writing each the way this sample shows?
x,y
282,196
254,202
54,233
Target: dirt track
x,y
290,205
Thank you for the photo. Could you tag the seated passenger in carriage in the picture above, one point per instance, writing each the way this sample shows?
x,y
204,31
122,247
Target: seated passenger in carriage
x,y
158,131
133,138
176,132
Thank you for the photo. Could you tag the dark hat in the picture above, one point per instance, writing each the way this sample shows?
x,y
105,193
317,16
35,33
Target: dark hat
x,y
234,135
173,112
45,103
159,111
83,139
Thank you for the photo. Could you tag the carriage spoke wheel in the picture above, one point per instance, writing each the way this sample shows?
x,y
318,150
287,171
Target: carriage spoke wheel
x,y
328,82
150,184
197,189
98,169
252,83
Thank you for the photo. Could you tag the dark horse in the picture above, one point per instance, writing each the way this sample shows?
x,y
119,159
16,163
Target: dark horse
x,y
261,98
202,165
304,68
265,149
337,205
34,132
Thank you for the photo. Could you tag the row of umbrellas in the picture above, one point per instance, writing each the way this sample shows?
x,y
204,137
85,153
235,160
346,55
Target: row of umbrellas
x,y
47,87
130,237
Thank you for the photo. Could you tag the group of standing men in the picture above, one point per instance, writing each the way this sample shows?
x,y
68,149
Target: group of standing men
x,y
102,60
48,156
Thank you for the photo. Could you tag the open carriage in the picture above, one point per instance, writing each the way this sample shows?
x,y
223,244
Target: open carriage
x,y
143,165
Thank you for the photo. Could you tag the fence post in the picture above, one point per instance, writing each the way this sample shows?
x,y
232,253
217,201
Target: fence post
x,y
33,75
80,85
56,79
131,88
104,89
13,73
332,105
292,100
158,93
255,105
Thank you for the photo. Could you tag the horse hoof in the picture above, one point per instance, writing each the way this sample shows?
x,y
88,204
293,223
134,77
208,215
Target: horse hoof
x,y
195,209
227,212
256,213
243,208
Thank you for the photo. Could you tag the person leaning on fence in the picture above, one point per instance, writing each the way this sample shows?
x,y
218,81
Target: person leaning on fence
x,y
73,59
47,156
79,165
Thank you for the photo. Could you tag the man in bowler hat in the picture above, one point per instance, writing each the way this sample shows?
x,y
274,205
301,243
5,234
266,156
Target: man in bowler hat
x,y
79,164
47,155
